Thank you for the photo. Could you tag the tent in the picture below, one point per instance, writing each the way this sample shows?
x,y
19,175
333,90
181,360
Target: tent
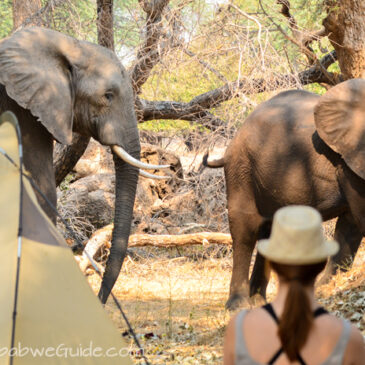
x,y
58,318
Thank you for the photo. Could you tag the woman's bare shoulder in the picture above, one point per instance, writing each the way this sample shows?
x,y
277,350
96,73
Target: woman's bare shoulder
x,y
355,350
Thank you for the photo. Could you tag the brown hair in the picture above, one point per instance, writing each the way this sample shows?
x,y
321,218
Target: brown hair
x,y
297,318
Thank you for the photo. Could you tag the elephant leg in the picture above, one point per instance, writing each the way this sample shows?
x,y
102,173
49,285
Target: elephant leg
x,y
259,277
349,237
243,227
261,271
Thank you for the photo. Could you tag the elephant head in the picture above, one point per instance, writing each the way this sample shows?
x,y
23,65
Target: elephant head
x,y
340,122
71,85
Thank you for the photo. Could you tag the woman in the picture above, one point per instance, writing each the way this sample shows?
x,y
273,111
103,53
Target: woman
x,y
294,329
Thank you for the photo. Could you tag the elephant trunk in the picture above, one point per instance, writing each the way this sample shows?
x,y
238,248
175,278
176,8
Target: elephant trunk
x,y
126,178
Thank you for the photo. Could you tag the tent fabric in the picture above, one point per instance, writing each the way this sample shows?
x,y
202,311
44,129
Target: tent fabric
x,y
59,319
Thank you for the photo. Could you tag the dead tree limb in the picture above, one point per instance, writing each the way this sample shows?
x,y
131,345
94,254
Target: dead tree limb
x,y
203,238
102,237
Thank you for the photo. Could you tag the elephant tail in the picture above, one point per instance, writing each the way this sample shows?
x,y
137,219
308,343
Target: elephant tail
x,y
213,163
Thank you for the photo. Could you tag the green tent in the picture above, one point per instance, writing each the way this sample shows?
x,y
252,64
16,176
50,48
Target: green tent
x,y
58,318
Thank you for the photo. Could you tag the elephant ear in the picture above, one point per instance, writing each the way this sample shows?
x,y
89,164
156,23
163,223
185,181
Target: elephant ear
x,y
35,72
340,122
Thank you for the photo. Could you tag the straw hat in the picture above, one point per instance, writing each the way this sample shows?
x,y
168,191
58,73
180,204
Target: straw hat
x,y
297,237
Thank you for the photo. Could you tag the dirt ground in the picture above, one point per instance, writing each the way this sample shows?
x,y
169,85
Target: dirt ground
x,y
175,301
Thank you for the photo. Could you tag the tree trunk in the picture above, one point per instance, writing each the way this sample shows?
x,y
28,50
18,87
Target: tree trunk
x,y
105,23
345,25
24,9
65,157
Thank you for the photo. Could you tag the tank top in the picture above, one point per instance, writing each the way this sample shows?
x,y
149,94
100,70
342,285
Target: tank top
x,y
242,356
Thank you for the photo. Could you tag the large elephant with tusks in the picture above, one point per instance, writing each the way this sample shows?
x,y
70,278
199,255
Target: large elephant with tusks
x,y
55,85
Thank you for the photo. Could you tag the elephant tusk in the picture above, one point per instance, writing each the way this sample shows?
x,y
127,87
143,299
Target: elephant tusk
x,y
121,153
151,176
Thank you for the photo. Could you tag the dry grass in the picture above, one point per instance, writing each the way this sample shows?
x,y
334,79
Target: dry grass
x,y
176,305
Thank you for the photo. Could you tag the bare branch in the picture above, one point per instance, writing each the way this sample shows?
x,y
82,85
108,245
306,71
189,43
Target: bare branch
x,y
301,37
298,42
206,65
51,4
258,24
151,110
285,10
148,54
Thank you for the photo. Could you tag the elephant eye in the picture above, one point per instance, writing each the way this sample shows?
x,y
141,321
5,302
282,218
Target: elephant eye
x,y
109,96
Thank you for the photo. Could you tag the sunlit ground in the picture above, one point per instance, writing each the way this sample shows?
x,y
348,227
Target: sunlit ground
x,y
176,306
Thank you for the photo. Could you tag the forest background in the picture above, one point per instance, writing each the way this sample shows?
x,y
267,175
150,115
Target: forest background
x,y
199,67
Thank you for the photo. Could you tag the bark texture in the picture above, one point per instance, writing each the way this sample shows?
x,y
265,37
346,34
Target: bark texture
x,y
66,157
105,23
24,9
345,25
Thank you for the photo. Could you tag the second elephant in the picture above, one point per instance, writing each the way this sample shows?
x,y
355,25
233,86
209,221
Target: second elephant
x,y
296,148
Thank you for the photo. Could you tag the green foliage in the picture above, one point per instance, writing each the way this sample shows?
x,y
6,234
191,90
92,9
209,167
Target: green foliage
x,y
165,125
76,18
129,18
6,15
224,45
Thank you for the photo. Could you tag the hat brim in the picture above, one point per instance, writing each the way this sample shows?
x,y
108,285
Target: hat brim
x,y
327,249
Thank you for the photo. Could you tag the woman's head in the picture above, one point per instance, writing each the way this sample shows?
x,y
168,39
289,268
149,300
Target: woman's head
x,y
304,274
297,237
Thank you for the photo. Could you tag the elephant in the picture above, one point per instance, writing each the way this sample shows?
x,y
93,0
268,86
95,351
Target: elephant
x,y
297,148
57,85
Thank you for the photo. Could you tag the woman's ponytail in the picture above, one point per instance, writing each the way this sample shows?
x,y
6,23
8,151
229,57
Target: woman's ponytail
x,y
297,318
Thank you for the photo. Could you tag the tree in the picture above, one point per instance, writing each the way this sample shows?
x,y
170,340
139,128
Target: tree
x,y
24,9
211,64
345,27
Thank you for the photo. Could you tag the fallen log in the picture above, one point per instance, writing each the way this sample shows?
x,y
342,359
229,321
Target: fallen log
x,y
102,238
201,238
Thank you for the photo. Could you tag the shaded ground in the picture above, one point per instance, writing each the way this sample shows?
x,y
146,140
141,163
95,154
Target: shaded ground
x,y
175,301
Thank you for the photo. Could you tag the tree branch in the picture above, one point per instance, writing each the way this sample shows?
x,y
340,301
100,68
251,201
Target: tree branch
x,y
105,23
51,4
303,39
298,42
206,65
198,107
148,55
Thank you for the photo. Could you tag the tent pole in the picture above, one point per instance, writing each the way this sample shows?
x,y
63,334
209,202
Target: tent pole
x,y
11,118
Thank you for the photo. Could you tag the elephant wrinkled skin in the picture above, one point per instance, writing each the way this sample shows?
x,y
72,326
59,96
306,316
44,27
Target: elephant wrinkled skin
x,y
296,148
55,85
